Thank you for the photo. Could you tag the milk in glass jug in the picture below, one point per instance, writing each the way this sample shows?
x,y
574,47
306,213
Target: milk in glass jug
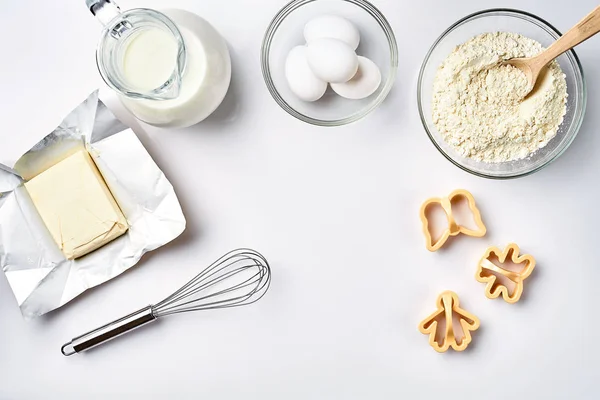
x,y
170,68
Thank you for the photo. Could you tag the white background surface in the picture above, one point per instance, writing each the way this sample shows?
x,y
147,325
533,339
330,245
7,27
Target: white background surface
x,y
336,213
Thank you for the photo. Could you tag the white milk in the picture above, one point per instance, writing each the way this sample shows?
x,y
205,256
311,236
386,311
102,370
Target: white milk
x,y
149,60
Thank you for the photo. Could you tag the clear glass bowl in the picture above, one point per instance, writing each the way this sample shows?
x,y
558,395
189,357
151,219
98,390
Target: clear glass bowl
x,y
508,21
377,42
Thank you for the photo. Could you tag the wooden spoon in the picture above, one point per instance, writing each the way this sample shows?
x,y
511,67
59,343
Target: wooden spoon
x,y
531,66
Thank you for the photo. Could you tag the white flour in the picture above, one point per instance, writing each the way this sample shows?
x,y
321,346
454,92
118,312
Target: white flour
x,y
478,105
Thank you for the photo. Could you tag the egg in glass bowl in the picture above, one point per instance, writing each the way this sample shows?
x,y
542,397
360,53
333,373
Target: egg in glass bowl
x,y
287,31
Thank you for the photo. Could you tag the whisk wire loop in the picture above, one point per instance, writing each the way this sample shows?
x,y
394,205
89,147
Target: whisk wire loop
x,y
243,274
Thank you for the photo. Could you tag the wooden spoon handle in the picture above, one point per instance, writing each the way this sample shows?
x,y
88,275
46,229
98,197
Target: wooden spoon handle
x,y
585,29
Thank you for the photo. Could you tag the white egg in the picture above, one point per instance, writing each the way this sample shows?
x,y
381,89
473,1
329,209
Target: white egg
x,y
363,84
301,79
332,60
333,27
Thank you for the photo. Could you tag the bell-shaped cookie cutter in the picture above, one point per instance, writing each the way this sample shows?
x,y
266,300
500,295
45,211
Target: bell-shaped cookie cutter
x,y
493,289
453,227
448,305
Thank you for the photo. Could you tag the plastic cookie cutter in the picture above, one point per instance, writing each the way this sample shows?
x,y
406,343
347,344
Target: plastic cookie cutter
x,y
492,271
441,328
453,227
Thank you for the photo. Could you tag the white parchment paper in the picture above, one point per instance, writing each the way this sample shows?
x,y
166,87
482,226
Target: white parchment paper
x,y
41,278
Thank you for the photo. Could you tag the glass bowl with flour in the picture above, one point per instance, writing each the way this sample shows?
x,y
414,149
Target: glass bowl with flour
x,y
473,108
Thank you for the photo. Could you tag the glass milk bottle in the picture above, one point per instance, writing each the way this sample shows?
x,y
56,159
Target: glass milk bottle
x,y
170,69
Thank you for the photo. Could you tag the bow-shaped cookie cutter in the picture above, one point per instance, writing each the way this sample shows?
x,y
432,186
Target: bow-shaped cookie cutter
x,y
487,270
448,305
453,228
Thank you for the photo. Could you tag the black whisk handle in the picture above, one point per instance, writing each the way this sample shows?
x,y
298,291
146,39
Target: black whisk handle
x,y
108,331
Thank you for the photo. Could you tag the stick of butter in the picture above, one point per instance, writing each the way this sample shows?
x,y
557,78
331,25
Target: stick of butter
x,y
77,206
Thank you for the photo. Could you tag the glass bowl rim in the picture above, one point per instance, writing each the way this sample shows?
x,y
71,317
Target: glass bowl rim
x,y
266,69
546,26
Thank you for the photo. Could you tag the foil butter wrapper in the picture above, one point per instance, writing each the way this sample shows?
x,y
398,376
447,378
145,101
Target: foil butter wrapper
x,y
40,276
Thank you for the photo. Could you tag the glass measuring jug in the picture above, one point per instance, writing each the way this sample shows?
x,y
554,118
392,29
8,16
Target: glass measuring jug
x,y
170,68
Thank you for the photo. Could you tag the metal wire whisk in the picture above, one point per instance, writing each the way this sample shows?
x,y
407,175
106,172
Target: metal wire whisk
x,y
238,278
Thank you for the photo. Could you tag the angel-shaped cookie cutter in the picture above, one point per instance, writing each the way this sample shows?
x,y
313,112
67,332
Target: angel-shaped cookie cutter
x,y
488,272
448,305
453,227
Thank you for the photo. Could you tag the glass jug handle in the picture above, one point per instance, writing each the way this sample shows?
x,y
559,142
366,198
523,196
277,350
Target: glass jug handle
x,y
106,11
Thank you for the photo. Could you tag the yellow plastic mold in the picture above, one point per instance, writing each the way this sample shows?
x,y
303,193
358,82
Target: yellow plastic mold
x,y
490,268
453,229
442,318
